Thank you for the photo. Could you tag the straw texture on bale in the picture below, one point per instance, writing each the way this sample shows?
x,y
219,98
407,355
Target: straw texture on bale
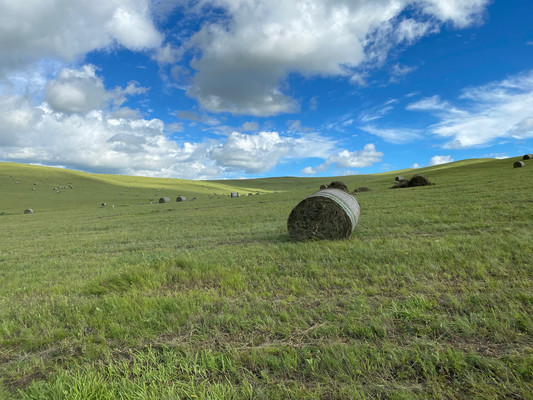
x,y
28,211
527,157
519,164
164,200
418,180
328,214
181,198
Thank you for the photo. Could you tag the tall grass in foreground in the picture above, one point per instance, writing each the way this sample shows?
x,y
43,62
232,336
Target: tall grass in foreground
x,y
430,298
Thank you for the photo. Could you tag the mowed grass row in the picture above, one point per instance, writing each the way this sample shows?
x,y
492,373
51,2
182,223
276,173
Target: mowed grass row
x,y
431,297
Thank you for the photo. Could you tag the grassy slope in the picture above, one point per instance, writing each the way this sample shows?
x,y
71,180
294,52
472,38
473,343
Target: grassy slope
x,y
18,180
430,298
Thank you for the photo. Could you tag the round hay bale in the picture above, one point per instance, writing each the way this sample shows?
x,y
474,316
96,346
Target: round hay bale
x,y
328,214
164,200
338,185
322,187
181,198
527,157
234,194
361,189
28,211
418,180
104,204
399,178
519,164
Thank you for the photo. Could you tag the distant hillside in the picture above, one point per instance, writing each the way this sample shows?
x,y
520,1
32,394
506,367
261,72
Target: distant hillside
x,y
29,186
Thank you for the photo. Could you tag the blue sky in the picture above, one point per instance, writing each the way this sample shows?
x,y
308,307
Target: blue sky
x,y
212,89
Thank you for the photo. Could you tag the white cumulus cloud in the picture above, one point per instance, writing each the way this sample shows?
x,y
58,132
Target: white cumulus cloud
x,y
32,30
348,159
122,142
246,56
74,91
251,153
82,90
436,160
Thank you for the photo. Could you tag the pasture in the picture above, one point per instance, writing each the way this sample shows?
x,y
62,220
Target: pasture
x,y
430,298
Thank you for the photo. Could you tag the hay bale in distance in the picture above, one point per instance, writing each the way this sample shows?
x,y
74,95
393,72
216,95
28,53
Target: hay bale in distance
x,y
361,189
328,214
519,164
28,211
416,180
322,187
338,185
527,157
399,178
234,194
181,198
164,200
104,204
419,180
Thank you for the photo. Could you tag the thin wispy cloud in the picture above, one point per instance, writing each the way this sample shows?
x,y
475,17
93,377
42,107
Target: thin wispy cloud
x,y
502,109
396,136
375,113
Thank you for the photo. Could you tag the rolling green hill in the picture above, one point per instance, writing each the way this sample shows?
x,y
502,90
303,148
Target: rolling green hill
x,y
431,296
36,187
28,186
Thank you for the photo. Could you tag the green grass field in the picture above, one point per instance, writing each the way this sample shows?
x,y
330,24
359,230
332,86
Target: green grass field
x,y
430,298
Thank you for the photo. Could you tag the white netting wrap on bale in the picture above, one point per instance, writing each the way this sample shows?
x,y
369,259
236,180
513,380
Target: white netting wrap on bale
x,y
327,214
